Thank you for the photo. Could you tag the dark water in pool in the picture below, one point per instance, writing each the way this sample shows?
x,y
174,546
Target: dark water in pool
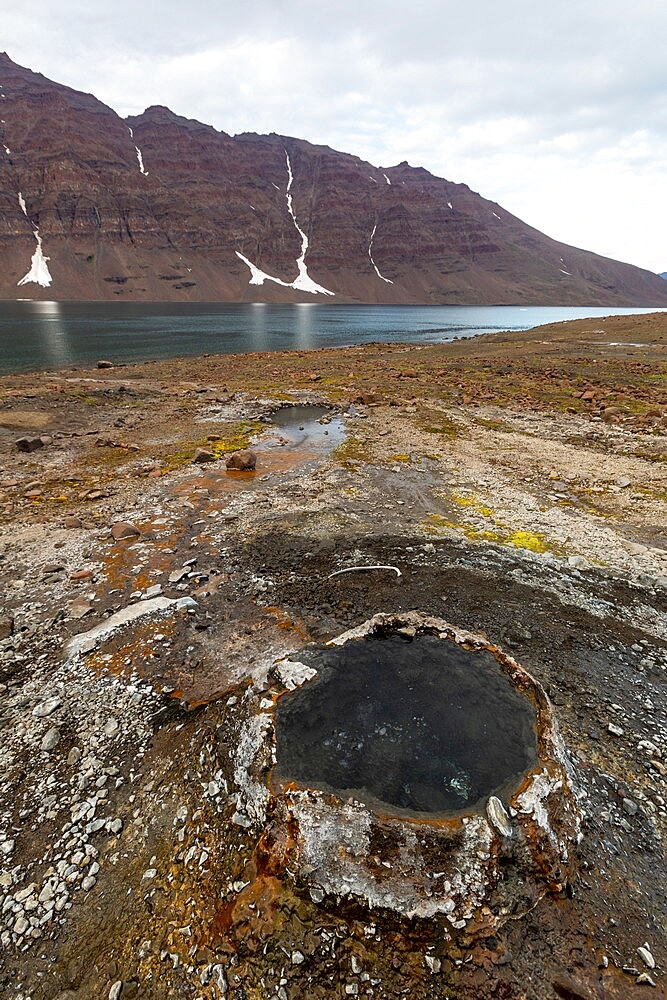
x,y
418,726
52,335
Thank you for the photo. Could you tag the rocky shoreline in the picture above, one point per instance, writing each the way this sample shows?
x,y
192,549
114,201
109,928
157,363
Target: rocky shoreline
x,y
518,483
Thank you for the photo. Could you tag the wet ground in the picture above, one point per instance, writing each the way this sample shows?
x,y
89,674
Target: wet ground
x,y
123,871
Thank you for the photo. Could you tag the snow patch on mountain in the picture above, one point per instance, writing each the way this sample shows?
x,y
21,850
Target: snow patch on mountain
x,y
258,277
141,162
139,154
303,282
370,254
22,205
39,273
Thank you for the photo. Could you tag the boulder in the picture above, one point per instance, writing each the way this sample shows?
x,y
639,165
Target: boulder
x,y
81,574
105,364
29,443
242,461
204,455
124,529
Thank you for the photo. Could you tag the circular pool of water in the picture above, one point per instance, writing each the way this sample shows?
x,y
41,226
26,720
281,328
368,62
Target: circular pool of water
x,y
407,725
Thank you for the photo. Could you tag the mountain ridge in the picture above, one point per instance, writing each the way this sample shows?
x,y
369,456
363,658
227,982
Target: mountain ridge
x,y
163,207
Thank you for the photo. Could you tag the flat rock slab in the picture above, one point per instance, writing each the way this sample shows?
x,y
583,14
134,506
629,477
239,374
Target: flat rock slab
x,y
87,641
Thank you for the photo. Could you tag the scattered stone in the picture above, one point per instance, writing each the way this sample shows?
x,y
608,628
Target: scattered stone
x,y
498,817
73,522
645,980
124,529
433,963
111,727
110,443
298,957
6,626
79,608
644,953
52,568
105,364
631,808
27,444
623,482
80,575
117,988
178,574
46,707
219,978
51,739
203,455
615,730
242,461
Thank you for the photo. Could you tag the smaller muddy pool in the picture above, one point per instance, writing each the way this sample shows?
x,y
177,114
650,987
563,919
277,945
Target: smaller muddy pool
x,y
302,427
406,725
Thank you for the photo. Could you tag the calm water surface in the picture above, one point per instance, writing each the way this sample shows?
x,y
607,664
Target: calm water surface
x,y
52,335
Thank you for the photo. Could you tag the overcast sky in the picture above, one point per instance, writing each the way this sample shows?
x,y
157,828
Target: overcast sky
x,y
557,110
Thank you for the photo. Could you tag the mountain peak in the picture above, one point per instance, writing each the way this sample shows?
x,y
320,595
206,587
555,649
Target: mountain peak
x,y
160,114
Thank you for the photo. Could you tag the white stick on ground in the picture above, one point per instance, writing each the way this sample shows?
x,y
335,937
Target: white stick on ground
x,y
363,569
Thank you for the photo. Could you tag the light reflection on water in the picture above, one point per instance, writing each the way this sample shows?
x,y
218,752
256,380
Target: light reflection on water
x,y
52,333
44,335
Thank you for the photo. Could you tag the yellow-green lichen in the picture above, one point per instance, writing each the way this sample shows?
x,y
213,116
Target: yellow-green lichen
x,y
474,504
497,531
236,439
351,451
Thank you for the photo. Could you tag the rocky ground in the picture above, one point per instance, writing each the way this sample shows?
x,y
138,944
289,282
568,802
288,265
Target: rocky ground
x,y
517,481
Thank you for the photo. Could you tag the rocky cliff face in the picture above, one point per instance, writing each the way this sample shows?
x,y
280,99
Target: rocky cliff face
x,y
162,207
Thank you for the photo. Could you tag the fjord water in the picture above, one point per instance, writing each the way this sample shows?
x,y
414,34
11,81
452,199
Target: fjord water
x,y
52,335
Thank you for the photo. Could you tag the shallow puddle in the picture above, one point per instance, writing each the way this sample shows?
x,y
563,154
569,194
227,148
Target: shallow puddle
x,y
313,428
294,437
410,725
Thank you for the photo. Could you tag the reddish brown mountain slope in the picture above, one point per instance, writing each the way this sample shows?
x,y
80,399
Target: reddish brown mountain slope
x,y
170,221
